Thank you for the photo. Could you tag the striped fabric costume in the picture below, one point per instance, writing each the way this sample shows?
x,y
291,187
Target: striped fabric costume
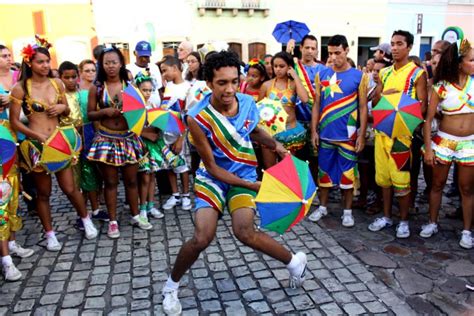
x,y
387,172
338,93
229,138
454,100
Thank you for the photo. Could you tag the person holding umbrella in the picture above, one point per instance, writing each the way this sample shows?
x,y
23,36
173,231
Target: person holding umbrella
x,y
222,127
405,77
453,89
114,146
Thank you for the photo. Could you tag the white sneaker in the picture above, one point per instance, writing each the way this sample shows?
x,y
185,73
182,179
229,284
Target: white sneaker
x,y
89,229
113,230
171,304
142,222
21,252
297,276
170,203
186,203
318,214
429,230
156,213
53,244
380,223
403,230
347,218
11,273
466,239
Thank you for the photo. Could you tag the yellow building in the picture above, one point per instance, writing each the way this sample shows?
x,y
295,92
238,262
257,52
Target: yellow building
x,y
67,24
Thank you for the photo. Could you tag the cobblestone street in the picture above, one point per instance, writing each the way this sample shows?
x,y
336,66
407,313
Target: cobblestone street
x,y
351,271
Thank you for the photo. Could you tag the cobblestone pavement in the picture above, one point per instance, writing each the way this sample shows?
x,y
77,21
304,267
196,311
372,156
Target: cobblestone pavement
x,y
351,271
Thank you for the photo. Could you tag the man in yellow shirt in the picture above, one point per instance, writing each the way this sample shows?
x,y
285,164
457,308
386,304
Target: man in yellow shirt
x,y
406,77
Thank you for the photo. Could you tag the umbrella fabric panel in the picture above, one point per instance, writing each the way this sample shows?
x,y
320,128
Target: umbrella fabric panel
x,y
286,173
276,191
271,212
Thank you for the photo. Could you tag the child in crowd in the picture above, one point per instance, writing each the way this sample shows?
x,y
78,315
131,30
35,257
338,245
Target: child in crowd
x,y
256,76
174,99
154,161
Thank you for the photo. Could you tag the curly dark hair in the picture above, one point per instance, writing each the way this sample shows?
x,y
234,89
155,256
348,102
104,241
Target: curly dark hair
x,y
26,72
219,60
101,74
448,65
287,58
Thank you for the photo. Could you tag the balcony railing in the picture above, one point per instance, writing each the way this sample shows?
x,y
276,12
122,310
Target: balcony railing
x,y
233,4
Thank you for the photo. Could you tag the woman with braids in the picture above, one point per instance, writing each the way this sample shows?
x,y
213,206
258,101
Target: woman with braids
x,y
43,101
114,147
453,91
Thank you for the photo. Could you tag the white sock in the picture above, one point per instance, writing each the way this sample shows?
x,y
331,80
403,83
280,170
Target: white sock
x,y
7,260
50,234
86,220
136,217
112,222
348,210
170,285
95,212
11,244
143,213
404,222
323,208
293,263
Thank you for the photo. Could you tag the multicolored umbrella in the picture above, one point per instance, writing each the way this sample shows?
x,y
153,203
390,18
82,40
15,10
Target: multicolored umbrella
x,y
285,31
166,120
134,109
62,147
272,116
6,193
285,195
397,115
7,149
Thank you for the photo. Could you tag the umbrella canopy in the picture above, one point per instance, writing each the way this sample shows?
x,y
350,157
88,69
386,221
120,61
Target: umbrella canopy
x,y
272,116
7,149
134,109
63,146
6,193
285,31
397,115
166,120
285,195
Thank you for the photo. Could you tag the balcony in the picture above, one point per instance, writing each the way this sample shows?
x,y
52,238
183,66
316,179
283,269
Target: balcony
x,y
234,6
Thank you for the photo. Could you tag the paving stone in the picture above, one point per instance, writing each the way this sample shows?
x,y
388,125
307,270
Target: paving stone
x,y
50,299
245,283
332,285
119,301
375,307
320,296
32,292
354,309
364,296
253,295
259,307
202,284
100,279
376,259
206,295
95,302
96,290
413,283
140,282
234,308
120,289
140,304
55,287
69,312
189,302
461,268
344,275
343,297
75,286
24,305
121,278
283,307
73,300
331,309
211,306
421,306
269,284
141,294
302,302
45,310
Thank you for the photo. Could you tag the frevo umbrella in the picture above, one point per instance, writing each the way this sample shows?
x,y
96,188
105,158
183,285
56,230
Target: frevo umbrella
x,y
134,109
285,195
285,31
61,149
166,120
397,115
7,149
272,116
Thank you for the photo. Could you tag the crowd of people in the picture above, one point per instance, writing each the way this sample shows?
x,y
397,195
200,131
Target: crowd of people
x,y
330,124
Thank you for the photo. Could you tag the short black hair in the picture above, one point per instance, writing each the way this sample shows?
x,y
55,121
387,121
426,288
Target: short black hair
x,y
171,61
97,51
3,47
338,40
407,35
309,37
67,65
218,60
267,55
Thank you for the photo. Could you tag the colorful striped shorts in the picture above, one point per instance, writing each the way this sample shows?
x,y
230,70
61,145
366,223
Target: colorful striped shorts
x,y
449,148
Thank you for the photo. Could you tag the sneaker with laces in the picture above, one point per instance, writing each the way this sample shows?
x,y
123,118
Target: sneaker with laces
x,y
142,222
21,252
466,239
318,214
53,244
429,230
403,230
347,218
89,229
171,202
171,304
101,216
156,213
297,276
380,223
113,231
11,272
186,204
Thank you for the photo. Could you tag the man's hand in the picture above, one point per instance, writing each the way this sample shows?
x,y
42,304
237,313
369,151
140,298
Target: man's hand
x,y
315,139
281,150
360,143
290,46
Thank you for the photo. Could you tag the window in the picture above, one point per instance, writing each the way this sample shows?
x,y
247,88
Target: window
x,y
236,48
363,50
170,48
257,50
